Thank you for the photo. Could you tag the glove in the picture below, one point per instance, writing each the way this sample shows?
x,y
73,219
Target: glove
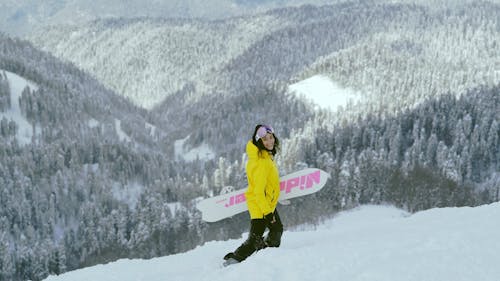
x,y
270,219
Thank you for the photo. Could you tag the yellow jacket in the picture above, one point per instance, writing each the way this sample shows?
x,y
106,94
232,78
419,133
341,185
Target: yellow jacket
x,y
263,182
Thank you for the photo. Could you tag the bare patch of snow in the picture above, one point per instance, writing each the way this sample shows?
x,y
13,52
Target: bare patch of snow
x,y
26,130
324,93
128,194
93,123
121,134
202,152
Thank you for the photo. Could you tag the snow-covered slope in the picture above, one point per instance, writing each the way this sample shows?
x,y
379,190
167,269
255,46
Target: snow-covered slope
x,y
324,93
369,243
25,128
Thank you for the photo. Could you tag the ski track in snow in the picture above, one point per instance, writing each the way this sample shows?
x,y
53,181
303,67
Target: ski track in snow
x,y
369,243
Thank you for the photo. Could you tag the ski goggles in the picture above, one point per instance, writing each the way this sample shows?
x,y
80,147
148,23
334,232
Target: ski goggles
x,y
262,132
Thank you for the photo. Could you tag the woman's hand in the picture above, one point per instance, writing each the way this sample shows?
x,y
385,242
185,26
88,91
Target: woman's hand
x,y
270,219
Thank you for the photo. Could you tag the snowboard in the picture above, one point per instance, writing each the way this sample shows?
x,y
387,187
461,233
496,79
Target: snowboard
x,y
300,183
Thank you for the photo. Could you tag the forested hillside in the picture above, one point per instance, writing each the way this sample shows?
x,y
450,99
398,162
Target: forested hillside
x,y
94,177
436,51
167,55
395,55
444,152
82,190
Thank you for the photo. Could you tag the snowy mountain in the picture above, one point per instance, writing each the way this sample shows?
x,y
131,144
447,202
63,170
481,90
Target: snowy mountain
x,y
367,243
393,55
385,49
134,119
19,17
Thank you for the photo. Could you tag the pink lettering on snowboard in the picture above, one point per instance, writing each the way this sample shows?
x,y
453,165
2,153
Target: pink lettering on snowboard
x,y
236,199
302,182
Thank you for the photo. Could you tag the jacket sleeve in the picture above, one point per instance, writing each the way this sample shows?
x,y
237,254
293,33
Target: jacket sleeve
x,y
260,179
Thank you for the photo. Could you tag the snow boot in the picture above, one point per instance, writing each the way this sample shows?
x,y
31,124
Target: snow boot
x,y
252,244
273,239
231,258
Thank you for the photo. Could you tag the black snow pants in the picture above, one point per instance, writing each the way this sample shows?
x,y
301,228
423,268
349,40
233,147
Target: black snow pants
x,y
255,240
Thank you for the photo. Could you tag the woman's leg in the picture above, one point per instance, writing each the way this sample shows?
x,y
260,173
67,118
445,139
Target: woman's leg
x,y
273,238
253,243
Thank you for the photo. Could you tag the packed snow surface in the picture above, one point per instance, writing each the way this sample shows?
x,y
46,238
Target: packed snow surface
x,y
368,243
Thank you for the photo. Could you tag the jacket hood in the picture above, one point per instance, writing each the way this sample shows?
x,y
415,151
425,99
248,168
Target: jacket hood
x,y
252,150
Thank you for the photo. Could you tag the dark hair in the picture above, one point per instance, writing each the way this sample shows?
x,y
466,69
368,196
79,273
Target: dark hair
x,y
260,145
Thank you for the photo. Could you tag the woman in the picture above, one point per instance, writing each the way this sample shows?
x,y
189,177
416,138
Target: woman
x,y
262,194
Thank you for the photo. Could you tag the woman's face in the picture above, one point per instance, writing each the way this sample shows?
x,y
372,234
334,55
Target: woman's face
x,y
268,141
